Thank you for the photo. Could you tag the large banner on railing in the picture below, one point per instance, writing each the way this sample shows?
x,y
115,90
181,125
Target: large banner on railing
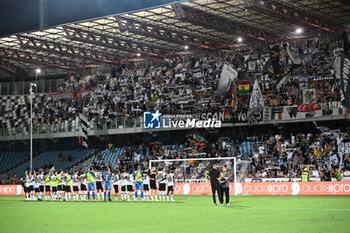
x,y
11,190
272,188
304,111
252,188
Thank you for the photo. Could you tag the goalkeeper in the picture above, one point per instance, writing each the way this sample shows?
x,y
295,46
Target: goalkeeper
x,y
138,182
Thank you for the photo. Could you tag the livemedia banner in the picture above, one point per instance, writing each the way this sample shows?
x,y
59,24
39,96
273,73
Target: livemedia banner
x,y
251,188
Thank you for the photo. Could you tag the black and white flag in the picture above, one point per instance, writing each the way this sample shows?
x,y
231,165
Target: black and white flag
x,y
345,78
228,76
197,71
256,105
84,130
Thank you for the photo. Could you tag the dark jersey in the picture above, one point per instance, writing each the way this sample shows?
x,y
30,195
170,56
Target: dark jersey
x,y
214,175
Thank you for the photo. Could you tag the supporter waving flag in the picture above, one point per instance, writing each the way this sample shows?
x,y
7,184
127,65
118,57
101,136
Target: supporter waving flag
x,y
228,76
345,76
256,105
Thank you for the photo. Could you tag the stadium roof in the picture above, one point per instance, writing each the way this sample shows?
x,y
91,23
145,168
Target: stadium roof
x,y
165,30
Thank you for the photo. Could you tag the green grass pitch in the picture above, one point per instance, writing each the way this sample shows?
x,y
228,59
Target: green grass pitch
x,y
186,214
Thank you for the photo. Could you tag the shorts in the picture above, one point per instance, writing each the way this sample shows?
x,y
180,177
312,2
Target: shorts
x,y
153,185
123,188
60,187
171,188
47,188
26,189
83,187
146,187
36,190
75,188
162,187
130,188
41,188
68,189
54,189
108,186
91,186
99,186
31,188
116,188
138,185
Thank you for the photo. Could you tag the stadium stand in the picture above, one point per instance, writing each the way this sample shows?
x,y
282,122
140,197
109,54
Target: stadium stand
x,y
174,87
11,159
58,159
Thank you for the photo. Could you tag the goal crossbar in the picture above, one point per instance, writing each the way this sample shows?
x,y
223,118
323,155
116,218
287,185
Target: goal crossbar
x,y
201,159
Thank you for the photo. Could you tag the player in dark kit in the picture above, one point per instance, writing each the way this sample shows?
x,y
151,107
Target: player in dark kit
x,y
153,183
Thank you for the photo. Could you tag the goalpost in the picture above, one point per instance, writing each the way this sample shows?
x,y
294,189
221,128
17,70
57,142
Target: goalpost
x,y
199,166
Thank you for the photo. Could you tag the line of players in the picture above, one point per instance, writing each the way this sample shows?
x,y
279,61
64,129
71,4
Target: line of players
x,y
62,185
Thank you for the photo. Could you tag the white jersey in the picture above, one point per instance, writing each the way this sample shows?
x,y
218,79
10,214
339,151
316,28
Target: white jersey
x,y
115,179
75,180
145,179
31,180
162,177
171,179
36,182
64,178
27,181
82,179
130,179
41,179
123,178
98,177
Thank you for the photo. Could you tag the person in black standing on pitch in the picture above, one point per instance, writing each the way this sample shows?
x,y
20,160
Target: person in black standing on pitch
x,y
214,175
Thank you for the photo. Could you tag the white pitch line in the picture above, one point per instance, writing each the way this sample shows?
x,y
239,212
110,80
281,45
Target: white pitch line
x,y
296,209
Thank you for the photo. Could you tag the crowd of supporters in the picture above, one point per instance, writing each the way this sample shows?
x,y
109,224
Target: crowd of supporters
x,y
176,86
271,156
182,86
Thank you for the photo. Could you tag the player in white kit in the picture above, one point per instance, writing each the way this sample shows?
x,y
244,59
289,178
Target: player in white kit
x,y
171,185
129,185
41,184
75,179
116,182
145,182
162,177
123,177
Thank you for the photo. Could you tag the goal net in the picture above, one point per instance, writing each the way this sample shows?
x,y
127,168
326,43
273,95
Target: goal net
x,y
194,171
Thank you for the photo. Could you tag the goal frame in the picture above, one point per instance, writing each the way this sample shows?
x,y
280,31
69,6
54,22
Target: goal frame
x,y
197,159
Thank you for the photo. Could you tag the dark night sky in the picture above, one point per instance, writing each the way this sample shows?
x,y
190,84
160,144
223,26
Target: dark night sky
x,y
23,15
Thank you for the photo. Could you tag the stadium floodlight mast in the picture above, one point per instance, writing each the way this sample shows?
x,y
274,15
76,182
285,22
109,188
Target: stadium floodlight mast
x,y
31,94
202,159
37,71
